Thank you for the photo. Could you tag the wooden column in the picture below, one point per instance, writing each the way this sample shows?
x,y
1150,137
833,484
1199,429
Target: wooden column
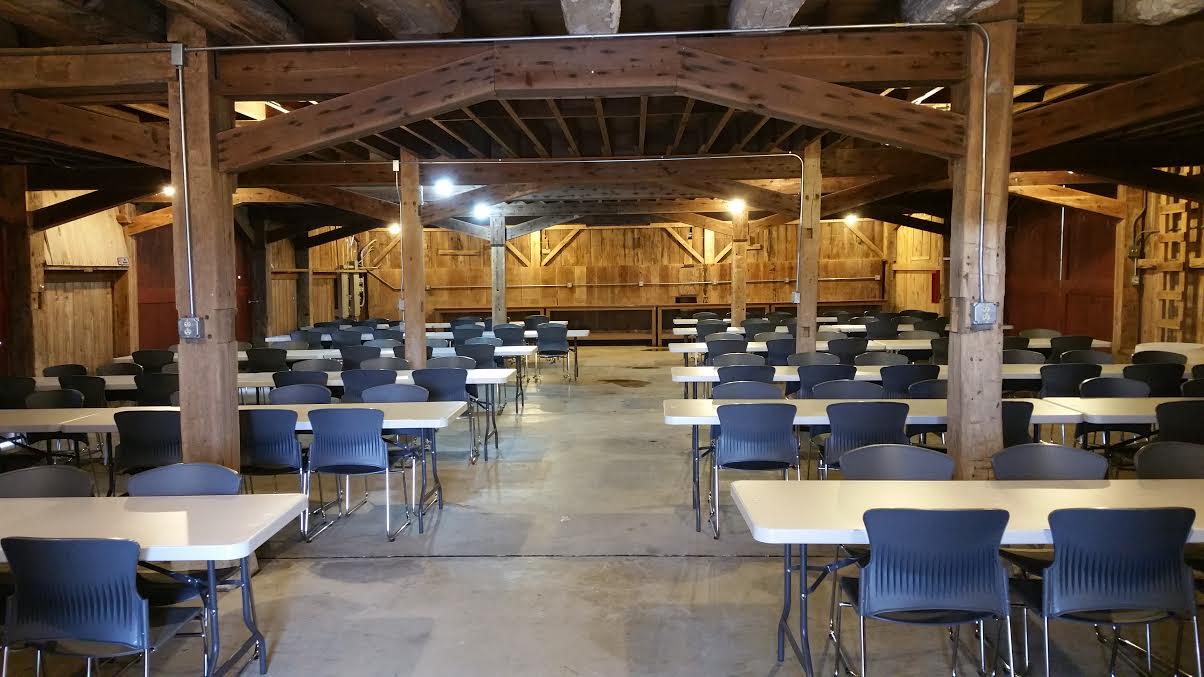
x,y
808,243
890,251
740,268
497,260
1126,296
261,280
305,281
23,256
208,367
413,267
125,303
975,357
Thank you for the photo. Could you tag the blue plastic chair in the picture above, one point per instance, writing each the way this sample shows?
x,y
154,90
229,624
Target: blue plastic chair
x,y
1167,461
755,436
1180,421
847,349
348,442
1115,567
779,350
510,334
895,462
552,343
148,439
187,479
352,356
898,378
79,597
858,424
811,375
155,388
302,393
1165,379
289,378
46,481
738,359
1040,461
762,373
355,381
931,568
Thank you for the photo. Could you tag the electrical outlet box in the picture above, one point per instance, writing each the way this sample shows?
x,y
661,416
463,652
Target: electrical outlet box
x,y
795,297
191,328
984,314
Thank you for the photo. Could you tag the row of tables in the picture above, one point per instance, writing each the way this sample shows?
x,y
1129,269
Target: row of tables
x,y
444,335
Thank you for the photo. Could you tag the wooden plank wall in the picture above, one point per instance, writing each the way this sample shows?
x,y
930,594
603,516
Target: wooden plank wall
x,y
1077,299
599,266
917,271
85,260
1172,307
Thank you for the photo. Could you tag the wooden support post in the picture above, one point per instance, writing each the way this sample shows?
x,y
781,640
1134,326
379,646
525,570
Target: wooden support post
x,y
22,266
890,234
975,357
740,268
208,366
305,281
413,268
1126,296
808,255
497,259
125,303
261,278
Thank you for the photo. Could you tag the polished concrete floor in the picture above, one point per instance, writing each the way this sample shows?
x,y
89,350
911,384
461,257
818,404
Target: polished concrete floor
x,y
571,552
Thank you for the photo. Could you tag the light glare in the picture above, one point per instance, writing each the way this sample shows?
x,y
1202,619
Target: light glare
x,y
481,211
736,206
444,188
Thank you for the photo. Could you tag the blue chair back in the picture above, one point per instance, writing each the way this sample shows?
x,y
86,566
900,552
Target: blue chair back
x,y
779,350
746,390
1167,461
927,561
897,379
930,389
1157,356
552,338
806,359
266,360
1062,344
65,370
318,365
1016,417
859,424
532,322
844,389
847,349
347,441
81,590
737,359
443,384
510,334
54,399
1119,560
155,389
268,438
355,381
880,358
301,393
463,332
346,338
811,375
390,363
482,355
186,479
1110,386
705,315
396,392
353,355
1063,380
91,387
1180,421
705,328
1039,461
290,378
1165,379
153,361
762,373
895,462
46,481
451,362
148,439
756,436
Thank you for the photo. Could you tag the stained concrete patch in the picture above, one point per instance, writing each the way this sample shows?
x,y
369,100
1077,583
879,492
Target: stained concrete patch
x,y
625,382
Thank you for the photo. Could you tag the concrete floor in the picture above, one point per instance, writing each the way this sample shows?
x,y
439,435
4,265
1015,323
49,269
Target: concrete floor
x,y
572,553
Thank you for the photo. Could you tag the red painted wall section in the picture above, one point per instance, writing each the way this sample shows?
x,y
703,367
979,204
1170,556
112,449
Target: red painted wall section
x,y
1074,295
157,293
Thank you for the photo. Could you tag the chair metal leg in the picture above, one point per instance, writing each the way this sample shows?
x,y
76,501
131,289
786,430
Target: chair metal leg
x,y
1007,627
982,648
1195,643
4,663
146,663
864,657
1113,651
715,498
956,637
1045,639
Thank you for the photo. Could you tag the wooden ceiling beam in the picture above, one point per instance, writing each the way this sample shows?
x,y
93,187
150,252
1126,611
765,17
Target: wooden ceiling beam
x,y
413,17
502,143
703,221
1075,199
241,21
564,126
446,129
537,224
816,103
462,204
99,67
522,127
74,22
706,145
1154,180
79,128
78,207
681,127
1129,103
583,68
474,229
756,197
601,207
900,218
348,201
591,17
605,133
368,111
762,13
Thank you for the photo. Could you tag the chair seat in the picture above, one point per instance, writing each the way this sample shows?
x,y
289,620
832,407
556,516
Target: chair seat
x,y
352,469
163,590
852,589
1029,592
553,353
165,623
1032,561
755,465
268,470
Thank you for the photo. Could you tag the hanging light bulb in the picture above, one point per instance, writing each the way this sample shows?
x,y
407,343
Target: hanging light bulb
x,y
394,228
736,206
444,187
850,219
481,211
169,190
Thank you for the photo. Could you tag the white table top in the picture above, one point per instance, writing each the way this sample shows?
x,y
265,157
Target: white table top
x,y
690,322
693,331
263,379
167,528
815,412
814,512
530,333
333,353
397,415
1116,409
860,328
37,420
874,373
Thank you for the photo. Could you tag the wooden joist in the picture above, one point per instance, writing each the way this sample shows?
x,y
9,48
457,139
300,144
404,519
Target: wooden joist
x,y
356,203
1075,199
241,21
530,70
762,13
901,218
591,17
598,207
462,204
79,128
1154,180
537,224
97,68
78,207
1116,107
731,82
472,229
367,111
703,221
757,198
74,22
410,17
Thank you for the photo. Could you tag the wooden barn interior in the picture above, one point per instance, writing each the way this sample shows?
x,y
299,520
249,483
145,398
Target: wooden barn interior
x,y
256,167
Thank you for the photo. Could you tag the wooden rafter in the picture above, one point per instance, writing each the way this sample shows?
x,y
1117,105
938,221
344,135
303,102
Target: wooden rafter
x,y
702,221
446,129
758,198
600,114
367,111
642,134
241,21
537,224
522,126
356,203
462,203
466,227
681,127
901,218
439,150
599,207
502,143
748,136
1075,199
732,82
719,126
1154,180
564,127
84,205
103,67
781,138
75,23
80,128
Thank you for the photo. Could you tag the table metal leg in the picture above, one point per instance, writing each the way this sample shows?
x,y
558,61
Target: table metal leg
x,y
108,461
695,461
256,642
694,390
576,361
215,638
802,645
